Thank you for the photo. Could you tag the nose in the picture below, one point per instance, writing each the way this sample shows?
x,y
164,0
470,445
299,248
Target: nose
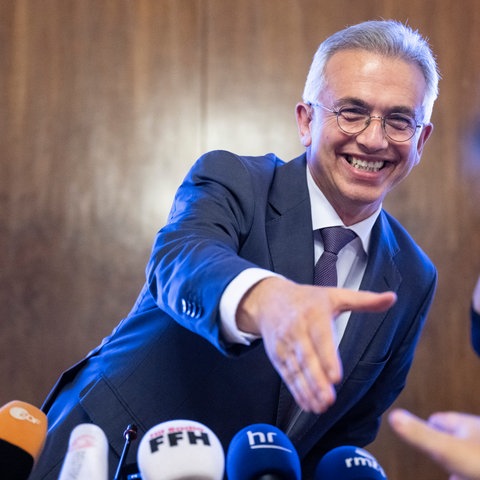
x,y
373,137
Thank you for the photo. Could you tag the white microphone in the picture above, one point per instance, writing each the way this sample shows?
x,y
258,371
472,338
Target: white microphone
x,y
87,455
180,450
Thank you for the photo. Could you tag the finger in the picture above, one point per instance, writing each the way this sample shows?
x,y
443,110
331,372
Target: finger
x,y
362,301
324,350
418,433
293,377
319,388
412,429
455,422
305,379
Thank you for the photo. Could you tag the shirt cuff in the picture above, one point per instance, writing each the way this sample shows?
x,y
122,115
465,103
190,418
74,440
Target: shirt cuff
x,y
231,297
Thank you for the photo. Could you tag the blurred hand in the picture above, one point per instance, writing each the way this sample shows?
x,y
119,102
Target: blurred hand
x,y
476,297
451,439
296,324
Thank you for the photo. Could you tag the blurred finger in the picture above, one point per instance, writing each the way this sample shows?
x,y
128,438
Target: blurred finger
x,y
346,300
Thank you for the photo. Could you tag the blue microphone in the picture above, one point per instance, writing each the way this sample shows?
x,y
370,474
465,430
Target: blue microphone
x,y
262,452
349,463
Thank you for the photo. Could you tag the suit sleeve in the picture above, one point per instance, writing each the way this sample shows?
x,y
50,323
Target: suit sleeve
x,y
196,254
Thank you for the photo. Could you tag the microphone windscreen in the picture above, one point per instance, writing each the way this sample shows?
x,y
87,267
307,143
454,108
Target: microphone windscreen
x,y
87,454
180,450
349,462
262,450
23,428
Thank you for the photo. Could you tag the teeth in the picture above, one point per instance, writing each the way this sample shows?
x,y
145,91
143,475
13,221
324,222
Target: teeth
x,y
364,165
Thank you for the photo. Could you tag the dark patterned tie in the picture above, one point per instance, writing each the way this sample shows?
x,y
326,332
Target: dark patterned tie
x,y
325,274
334,239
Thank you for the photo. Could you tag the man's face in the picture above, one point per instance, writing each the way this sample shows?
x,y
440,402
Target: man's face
x,y
355,172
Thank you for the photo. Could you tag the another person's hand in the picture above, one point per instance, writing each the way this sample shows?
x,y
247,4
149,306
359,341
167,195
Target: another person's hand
x,y
476,297
451,439
296,324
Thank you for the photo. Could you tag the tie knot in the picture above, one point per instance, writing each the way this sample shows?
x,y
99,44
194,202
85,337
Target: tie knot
x,y
335,238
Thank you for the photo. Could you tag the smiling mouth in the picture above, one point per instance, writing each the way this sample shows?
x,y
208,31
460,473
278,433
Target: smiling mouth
x,y
364,165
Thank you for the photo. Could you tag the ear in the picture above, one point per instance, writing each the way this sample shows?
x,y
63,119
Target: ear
x,y
422,139
303,115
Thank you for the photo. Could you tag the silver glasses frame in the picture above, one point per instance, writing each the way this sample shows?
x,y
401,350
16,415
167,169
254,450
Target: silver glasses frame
x,y
368,120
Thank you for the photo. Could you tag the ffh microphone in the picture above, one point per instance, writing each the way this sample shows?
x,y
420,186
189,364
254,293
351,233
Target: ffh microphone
x,y
87,454
180,450
349,463
23,429
262,452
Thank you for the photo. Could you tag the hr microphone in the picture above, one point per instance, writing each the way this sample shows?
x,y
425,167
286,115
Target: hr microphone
x,y
87,454
23,429
180,450
349,463
262,452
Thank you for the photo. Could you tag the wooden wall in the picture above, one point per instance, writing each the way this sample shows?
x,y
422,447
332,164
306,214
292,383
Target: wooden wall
x,y
106,103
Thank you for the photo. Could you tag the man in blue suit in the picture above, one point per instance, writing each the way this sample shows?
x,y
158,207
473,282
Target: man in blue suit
x,y
229,329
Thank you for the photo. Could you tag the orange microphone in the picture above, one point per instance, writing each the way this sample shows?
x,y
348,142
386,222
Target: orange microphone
x,y
23,429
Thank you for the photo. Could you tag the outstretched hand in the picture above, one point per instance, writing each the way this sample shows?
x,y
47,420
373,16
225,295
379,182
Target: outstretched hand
x,y
296,323
451,439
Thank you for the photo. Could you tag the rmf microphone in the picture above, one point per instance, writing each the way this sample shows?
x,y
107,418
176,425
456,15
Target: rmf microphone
x,y
23,429
262,452
349,463
180,450
87,454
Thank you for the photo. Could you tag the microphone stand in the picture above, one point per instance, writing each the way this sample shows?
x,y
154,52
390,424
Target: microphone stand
x,y
129,435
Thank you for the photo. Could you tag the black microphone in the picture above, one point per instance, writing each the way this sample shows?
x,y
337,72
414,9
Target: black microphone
x,y
23,429
262,452
349,463
130,434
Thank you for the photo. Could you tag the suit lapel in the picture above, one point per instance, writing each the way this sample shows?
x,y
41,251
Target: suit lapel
x,y
380,275
289,223
290,239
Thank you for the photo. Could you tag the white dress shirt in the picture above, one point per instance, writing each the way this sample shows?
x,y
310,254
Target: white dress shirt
x,y
351,264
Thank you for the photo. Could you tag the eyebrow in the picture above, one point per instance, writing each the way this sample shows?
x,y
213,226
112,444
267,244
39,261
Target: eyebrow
x,y
358,102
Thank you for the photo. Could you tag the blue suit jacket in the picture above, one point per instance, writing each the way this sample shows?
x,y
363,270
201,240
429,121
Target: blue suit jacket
x,y
167,359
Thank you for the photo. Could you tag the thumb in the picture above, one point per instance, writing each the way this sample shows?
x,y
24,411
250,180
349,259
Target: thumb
x,y
363,301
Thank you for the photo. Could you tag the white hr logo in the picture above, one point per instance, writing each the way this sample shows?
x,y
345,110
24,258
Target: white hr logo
x,y
264,440
21,414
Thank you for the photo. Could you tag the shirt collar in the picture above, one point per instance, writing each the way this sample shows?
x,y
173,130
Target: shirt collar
x,y
324,215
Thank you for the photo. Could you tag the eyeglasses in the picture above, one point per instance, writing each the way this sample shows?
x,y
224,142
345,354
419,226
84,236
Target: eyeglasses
x,y
354,120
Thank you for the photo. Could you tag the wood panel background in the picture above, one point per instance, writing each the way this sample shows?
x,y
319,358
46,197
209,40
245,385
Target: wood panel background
x,y
105,104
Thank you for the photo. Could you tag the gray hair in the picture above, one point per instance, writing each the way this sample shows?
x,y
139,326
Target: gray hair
x,y
385,37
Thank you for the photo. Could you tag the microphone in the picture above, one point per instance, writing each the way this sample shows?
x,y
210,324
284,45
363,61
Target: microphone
x,y
349,462
87,454
262,452
180,450
23,429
